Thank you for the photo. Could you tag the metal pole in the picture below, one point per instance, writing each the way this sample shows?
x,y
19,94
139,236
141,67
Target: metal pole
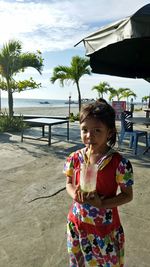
x,y
69,104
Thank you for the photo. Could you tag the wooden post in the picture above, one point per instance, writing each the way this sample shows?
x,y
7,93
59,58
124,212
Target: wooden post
x,y
69,104
0,101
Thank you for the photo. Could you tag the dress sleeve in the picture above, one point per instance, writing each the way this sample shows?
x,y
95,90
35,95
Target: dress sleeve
x,y
69,165
124,173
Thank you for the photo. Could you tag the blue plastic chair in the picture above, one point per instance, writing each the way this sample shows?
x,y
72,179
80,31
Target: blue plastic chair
x,y
127,131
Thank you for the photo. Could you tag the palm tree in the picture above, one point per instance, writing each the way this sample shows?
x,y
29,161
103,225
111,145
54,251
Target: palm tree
x,y
79,67
121,93
146,99
116,93
102,88
126,93
13,61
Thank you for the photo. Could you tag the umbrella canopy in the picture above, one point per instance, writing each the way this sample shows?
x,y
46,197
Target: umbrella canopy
x,y
122,48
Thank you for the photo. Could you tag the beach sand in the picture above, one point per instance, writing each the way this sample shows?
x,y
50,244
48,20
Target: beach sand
x,y
34,203
48,111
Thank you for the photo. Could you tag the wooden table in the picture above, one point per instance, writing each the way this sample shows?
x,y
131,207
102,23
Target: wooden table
x,y
42,122
142,121
139,120
34,116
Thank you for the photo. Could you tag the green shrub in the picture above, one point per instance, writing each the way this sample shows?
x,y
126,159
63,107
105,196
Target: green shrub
x,y
137,109
73,117
11,124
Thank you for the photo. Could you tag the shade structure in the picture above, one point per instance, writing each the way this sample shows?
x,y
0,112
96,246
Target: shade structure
x,y
123,47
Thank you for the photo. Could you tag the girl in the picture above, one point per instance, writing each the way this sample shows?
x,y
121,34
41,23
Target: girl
x,y
95,234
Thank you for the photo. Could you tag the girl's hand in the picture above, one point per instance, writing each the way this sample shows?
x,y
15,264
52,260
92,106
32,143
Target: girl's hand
x,y
90,195
80,196
94,199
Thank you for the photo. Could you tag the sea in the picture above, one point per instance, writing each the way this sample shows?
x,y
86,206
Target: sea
x,y
25,102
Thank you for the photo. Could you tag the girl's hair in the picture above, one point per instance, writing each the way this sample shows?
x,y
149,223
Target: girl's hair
x,y
103,112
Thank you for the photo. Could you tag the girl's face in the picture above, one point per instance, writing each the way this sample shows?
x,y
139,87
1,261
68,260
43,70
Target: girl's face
x,y
96,133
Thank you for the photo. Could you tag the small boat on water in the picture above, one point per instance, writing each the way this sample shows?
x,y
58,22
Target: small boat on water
x,y
44,102
71,102
83,101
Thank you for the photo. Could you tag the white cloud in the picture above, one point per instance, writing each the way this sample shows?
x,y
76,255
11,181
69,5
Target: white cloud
x,y
38,25
58,25
100,10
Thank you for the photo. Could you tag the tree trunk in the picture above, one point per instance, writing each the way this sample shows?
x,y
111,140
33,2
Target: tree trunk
x,y
0,100
79,96
10,102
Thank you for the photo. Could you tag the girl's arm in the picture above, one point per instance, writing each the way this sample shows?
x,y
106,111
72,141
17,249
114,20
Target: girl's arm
x,y
125,196
74,191
70,187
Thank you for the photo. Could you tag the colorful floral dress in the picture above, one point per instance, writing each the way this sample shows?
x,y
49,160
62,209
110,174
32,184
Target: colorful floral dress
x,y
95,236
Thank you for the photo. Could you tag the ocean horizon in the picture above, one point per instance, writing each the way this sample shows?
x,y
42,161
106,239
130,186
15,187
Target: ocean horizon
x,y
31,102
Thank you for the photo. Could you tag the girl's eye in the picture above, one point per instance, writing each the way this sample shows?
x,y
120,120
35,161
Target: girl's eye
x,y
92,131
84,130
97,130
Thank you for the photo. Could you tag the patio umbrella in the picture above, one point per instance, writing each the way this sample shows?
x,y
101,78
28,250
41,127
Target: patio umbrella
x,y
123,47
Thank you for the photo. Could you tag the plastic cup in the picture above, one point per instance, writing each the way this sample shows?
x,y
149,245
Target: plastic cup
x,y
88,177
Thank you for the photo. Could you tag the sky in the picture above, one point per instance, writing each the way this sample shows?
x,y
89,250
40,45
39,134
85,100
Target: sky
x,y
54,27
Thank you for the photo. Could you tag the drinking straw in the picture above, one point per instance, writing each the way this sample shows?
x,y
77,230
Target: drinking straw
x,y
88,160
